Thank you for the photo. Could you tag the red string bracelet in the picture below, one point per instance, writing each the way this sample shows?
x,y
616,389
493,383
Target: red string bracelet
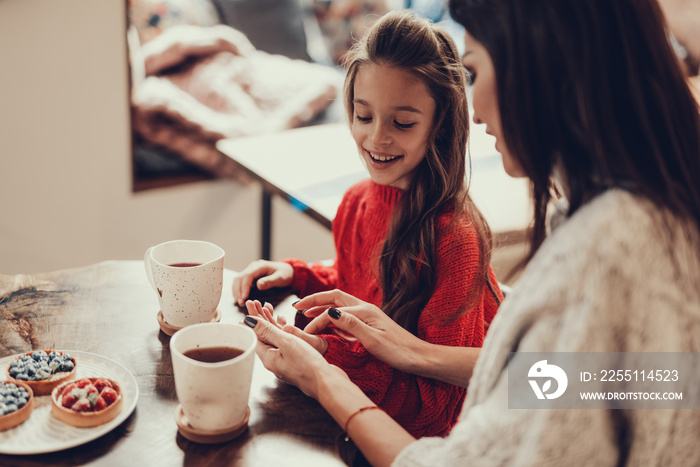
x,y
347,422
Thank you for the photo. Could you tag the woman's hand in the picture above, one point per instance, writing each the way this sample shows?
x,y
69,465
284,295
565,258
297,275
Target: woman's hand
x,y
291,358
378,333
388,341
269,274
265,312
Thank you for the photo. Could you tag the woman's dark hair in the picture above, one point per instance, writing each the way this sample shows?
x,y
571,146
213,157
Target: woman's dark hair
x,y
409,254
591,89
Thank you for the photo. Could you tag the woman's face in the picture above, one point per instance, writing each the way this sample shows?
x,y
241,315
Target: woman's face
x,y
393,114
485,99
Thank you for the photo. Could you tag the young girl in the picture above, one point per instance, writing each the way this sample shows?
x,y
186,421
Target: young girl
x,y
587,93
409,240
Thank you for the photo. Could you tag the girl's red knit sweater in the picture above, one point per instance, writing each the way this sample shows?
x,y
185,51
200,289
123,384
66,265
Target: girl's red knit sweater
x,y
423,406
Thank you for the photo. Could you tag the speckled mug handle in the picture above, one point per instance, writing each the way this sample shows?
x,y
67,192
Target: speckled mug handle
x,y
147,264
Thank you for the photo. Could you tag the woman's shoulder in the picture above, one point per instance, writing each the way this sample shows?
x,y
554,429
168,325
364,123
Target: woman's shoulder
x,y
620,274
618,238
620,220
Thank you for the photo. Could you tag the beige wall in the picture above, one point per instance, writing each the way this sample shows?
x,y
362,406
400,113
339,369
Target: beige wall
x,y
65,191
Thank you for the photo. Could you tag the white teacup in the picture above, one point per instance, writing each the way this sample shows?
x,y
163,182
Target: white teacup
x,y
188,276
213,396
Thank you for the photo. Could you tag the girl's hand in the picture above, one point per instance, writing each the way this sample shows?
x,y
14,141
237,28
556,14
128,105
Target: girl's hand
x,y
289,357
265,312
378,333
269,274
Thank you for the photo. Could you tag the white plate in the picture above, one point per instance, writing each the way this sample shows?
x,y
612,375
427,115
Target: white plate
x,y
42,432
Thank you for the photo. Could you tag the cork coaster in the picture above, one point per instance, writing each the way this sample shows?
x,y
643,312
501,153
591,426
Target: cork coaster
x,y
209,437
170,329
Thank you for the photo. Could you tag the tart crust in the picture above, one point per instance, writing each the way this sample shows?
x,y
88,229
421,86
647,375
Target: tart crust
x,y
85,419
45,386
13,419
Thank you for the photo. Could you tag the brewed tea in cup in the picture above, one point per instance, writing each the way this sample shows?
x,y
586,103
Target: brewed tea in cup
x,y
213,368
188,277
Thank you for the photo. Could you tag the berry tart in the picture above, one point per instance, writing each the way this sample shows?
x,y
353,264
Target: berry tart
x,y
16,404
42,370
87,401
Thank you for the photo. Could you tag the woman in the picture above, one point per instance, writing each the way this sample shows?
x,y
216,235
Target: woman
x,y
587,96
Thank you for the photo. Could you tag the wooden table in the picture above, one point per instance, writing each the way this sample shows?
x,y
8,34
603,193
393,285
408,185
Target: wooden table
x,y
312,167
110,309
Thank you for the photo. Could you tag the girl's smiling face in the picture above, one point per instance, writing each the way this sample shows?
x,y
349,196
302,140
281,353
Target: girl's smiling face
x,y
393,114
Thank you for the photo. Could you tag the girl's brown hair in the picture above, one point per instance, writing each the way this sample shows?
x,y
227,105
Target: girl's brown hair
x,y
409,254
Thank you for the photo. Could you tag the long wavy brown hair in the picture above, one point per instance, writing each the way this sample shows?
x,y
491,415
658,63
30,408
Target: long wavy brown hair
x,y
409,255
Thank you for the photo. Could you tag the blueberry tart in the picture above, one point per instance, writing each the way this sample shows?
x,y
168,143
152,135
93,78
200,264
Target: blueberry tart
x,y
42,370
16,404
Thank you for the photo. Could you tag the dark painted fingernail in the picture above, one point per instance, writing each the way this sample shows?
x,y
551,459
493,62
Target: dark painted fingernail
x,y
250,321
334,313
296,302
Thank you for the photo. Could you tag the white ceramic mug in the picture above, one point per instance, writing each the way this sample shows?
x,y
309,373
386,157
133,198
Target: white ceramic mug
x,y
213,396
188,276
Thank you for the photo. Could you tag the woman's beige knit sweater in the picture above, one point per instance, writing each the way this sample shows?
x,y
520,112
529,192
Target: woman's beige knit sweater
x,y
617,276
